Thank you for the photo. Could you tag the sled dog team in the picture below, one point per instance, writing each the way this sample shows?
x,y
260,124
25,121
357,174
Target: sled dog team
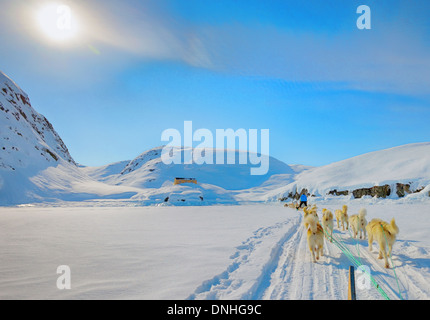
x,y
377,230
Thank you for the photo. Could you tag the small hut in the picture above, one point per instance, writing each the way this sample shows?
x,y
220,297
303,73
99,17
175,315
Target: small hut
x,y
185,180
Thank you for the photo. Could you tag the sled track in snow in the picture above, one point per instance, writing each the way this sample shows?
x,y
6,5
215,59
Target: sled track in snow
x,y
287,272
275,263
232,283
296,277
264,281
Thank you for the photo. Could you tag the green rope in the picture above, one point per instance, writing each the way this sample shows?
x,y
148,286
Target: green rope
x,y
394,268
356,241
357,264
339,243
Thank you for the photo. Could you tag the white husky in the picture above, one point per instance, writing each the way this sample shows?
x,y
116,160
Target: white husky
x,y
358,223
315,236
327,223
385,234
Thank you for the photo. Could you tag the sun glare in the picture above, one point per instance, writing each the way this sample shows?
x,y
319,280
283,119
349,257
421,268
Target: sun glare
x,y
57,22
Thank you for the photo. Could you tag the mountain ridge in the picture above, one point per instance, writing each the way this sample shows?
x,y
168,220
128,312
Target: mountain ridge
x,y
36,166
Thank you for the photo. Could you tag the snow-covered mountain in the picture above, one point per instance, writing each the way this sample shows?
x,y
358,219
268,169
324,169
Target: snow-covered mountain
x,y
148,171
35,164
29,142
217,183
393,172
28,138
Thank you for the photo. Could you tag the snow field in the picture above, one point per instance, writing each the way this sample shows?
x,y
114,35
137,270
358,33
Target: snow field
x,y
216,252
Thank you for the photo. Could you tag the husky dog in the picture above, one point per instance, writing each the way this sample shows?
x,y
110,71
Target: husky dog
x,y
307,213
315,236
358,223
327,222
292,205
385,234
342,217
312,211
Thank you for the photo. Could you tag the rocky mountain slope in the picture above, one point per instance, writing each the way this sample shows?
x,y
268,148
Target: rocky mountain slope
x,y
27,137
35,164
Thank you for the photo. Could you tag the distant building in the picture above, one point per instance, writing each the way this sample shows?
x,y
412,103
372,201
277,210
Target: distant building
x,y
185,180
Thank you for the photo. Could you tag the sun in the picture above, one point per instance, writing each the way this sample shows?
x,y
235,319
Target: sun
x,y
57,22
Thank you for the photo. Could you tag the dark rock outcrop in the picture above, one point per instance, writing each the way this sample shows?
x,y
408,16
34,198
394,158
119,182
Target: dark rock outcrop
x,y
403,189
376,191
338,193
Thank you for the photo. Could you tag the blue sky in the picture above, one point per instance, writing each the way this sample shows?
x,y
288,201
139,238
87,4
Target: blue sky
x,y
326,90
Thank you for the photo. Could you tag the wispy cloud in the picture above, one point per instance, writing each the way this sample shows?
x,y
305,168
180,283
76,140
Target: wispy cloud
x,y
391,61
389,58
